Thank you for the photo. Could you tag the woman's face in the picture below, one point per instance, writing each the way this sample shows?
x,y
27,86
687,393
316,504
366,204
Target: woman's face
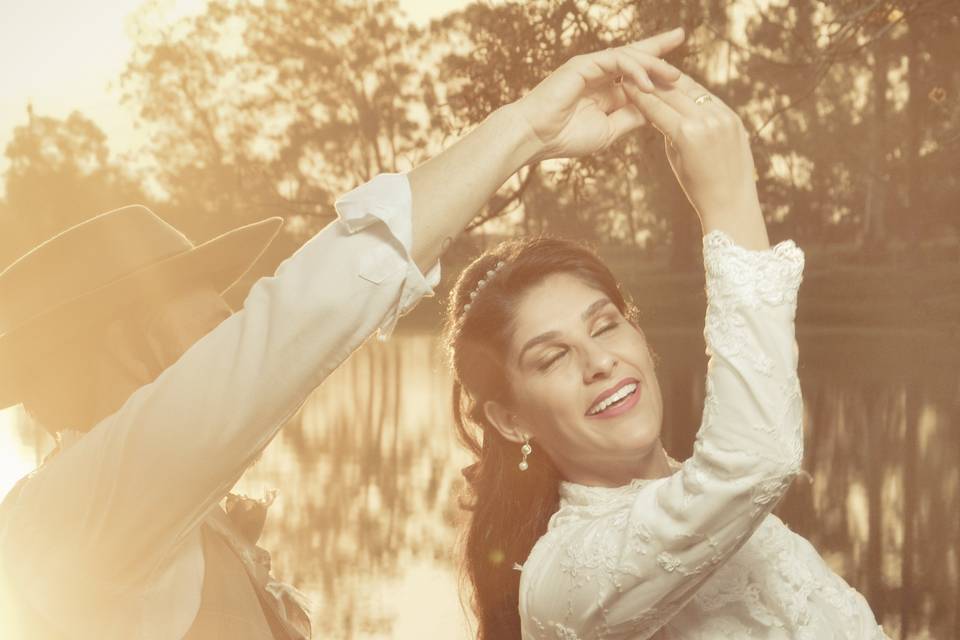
x,y
583,382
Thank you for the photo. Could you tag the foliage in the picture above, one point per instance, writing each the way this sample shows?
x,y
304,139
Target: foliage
x,y
268,107
836,163
277,107
60,173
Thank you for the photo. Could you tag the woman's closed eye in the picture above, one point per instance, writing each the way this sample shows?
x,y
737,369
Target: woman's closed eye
x,y
606,327
551,359
555,356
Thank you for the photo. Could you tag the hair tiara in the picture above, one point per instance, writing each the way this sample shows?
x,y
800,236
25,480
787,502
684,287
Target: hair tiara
x,y
482,282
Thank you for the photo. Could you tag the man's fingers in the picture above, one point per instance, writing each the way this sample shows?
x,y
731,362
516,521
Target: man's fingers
x,y
664,70
660,114
625,119
661,43
656,67
606,65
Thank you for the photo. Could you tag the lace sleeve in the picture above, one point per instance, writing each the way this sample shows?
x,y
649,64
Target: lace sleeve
x,y
622,568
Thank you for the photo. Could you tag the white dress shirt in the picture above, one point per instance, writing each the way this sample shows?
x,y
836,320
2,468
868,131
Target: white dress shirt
x,y
698,554
103,541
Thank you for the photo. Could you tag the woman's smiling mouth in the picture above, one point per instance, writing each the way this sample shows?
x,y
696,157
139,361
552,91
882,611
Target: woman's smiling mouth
x,y
616,400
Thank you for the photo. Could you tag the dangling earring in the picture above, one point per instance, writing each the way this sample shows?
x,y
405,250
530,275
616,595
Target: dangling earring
x,y
526,450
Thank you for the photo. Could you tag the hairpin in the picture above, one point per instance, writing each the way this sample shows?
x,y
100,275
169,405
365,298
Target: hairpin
x,y
482,282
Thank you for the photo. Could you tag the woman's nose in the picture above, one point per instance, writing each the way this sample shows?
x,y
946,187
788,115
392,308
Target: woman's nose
x,y
598,364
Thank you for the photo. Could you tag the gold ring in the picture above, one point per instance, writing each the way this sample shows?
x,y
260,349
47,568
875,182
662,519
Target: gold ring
x,y
704,98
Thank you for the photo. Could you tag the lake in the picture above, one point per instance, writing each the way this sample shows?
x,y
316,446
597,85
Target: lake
x,y
368,474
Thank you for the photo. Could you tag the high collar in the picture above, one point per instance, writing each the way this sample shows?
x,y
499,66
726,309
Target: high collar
x,y
574,494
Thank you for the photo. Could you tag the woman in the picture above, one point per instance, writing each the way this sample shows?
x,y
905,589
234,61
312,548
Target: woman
x,y
556,394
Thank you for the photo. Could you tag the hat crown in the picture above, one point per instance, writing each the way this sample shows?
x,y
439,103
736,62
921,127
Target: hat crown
x,y
84,258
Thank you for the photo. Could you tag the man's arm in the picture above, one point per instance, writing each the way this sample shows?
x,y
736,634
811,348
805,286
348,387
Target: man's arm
x,y
104,515
449,189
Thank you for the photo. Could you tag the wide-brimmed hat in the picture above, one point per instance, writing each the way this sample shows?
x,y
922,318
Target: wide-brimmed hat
x,y
84,275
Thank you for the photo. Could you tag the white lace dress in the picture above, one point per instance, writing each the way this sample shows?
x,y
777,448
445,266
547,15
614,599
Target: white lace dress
x,y
698,554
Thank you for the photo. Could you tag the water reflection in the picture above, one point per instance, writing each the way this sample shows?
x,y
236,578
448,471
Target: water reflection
x,y
882,448
369,475
369,472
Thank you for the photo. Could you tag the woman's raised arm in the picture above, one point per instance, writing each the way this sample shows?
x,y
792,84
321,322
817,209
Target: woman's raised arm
x,y
709,151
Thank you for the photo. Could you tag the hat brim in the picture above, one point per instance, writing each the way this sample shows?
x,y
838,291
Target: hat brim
x,y
221,261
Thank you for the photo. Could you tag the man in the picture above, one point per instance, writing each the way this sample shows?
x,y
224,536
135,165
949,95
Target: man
x,y
115,335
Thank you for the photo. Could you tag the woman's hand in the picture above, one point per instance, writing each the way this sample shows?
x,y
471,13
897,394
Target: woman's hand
x,y
709,152
582,107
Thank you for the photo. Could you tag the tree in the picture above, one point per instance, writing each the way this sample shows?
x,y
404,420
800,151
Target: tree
x,y
819,85
60,174
839,97
277,107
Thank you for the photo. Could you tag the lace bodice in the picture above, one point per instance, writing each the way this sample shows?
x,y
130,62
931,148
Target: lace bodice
x,y
698,554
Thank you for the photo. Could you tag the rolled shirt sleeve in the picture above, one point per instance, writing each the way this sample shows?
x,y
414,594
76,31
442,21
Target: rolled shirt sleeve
x,y
388,199
98,521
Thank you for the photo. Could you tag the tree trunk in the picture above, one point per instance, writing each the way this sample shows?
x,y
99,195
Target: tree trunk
x,y
911,439
874,231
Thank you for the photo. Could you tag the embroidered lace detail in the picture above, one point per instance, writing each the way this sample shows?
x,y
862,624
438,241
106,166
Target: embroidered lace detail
x,y
587,496
565,633
738,276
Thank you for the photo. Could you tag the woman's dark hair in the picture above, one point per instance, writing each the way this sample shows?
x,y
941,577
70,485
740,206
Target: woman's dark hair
x,y
508,510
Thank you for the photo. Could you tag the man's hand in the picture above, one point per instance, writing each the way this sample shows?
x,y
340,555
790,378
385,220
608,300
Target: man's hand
x,y
583,106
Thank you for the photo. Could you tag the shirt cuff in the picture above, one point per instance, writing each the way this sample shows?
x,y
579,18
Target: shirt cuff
x,y
387,198
740,277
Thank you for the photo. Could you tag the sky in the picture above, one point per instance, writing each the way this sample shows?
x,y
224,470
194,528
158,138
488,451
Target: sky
x,y
66,55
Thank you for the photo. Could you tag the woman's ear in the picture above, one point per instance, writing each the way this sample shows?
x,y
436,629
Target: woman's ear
x,y
504,421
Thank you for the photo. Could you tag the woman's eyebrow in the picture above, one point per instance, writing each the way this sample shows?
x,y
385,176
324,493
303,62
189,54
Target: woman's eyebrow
x,y
550,335
595,307
532,342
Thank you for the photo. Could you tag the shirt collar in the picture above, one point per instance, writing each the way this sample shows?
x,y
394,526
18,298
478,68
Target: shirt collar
x,y
572,493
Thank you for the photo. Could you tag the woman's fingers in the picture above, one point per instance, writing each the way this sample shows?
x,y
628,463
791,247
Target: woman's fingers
x,y
625,119
671,93
694,90
682,97
659,113
691,86
680,101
